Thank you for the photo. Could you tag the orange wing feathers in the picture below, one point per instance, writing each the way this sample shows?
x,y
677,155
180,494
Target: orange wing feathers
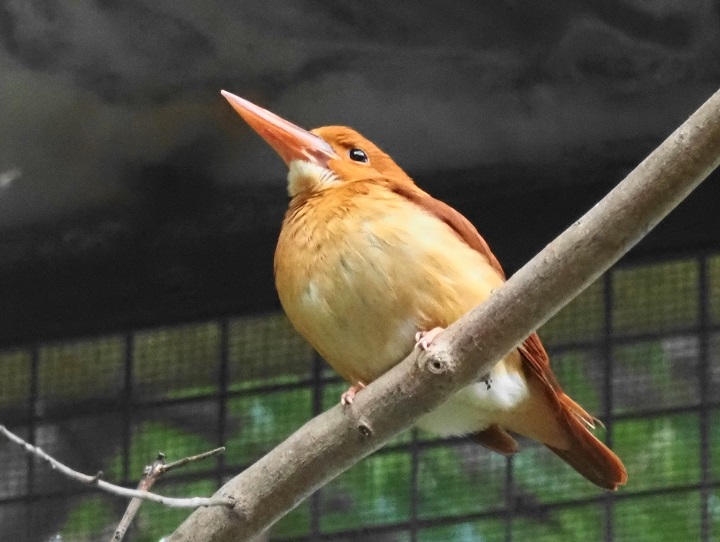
x,y
461,225
580,449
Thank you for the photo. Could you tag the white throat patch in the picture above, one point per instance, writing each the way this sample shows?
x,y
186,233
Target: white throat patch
x,y
307,176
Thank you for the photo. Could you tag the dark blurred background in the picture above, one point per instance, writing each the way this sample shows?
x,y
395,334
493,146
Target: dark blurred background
x,y
138,216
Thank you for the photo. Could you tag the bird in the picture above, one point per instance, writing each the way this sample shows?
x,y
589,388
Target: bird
x,y
368,266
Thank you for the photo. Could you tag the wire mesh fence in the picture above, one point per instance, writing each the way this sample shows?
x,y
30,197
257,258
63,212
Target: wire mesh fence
x,y
640,349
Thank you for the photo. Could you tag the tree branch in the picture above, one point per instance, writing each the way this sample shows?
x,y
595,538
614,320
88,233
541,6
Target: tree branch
x,y
151,474
332,442
193,502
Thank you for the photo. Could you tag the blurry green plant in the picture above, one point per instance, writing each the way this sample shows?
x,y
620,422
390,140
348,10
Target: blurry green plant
x,y
656,297
92,516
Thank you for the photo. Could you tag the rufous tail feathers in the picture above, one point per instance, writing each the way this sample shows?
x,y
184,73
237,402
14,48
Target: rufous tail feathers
x,y
585,453
561,424
551,417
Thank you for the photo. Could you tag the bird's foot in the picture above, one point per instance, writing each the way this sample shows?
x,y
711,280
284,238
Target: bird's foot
x,y
424,339
349,396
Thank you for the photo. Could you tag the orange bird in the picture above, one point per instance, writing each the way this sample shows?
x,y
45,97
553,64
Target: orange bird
x,y
368,266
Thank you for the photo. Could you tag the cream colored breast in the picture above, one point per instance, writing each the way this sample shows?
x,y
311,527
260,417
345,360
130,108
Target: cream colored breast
x,y
359,287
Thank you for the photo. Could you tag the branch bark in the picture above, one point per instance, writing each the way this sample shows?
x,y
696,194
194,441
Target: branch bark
x,y
332,442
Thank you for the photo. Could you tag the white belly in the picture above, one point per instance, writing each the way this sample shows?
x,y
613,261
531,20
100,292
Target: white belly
x,y
475,407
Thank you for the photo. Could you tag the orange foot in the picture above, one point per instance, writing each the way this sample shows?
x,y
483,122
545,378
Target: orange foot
x,y
424,339
349,396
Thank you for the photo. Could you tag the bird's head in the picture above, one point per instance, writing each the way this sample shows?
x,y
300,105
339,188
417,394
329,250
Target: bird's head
x,y
319,159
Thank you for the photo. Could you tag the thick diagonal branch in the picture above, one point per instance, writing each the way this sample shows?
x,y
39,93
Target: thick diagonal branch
x,y
334,441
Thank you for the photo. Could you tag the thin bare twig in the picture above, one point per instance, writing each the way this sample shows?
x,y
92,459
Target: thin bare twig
x,y
167,467
151,473
191,502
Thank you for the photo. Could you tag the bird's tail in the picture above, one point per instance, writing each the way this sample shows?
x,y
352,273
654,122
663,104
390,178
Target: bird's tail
x,y
585,453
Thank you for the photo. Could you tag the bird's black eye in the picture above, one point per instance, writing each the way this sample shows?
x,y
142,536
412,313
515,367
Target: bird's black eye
x,y
358,155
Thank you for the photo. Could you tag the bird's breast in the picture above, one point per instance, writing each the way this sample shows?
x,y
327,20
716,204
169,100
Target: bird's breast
x,y
359,280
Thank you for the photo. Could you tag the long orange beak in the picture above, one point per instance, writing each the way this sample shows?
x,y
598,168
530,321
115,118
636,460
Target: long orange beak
x,y
290,141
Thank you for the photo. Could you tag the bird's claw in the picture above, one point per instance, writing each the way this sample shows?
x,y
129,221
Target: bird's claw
x,y
423,339
348,396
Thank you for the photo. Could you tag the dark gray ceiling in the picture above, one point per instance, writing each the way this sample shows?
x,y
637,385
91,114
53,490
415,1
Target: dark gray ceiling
x,y
101,99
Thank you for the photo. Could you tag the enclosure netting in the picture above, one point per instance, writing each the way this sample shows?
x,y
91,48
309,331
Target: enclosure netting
x,y
640,349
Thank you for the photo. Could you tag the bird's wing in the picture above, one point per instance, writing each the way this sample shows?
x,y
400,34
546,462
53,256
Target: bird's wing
x,y
583,451
532,350
536,358
461,225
